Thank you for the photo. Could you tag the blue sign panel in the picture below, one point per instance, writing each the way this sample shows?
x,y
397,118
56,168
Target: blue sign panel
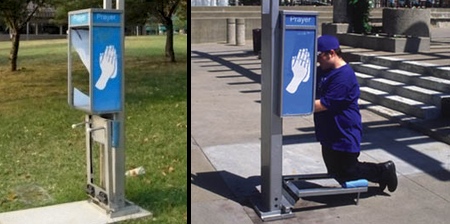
x,y
104,17
298,65
107,69
97,37
79,19
300,20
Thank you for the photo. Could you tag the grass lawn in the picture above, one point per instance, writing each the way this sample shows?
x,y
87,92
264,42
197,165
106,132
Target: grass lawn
x,y
42,158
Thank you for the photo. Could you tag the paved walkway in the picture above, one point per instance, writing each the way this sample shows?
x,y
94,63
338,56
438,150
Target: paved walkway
x,y
225,156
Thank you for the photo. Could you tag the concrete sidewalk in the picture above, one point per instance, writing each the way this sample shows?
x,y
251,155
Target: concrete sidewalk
x,y
225,153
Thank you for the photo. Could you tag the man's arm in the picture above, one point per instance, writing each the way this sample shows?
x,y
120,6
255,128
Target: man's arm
x,y
318,106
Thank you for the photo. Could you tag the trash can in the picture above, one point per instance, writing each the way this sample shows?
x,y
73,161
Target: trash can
x,y
256,41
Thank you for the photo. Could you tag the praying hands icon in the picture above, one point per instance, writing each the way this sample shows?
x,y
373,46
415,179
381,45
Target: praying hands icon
x,y
300,66
108,65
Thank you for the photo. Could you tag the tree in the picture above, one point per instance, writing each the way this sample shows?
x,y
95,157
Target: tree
x,y
16,14
163,10
182,14
136,13
359,11
63,7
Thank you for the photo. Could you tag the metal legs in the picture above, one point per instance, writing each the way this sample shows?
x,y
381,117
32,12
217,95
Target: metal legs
x,y
105,179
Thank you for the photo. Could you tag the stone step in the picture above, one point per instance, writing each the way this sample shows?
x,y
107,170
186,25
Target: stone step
x,y
406,77
385,111
440,14
424,95
408,106
420,67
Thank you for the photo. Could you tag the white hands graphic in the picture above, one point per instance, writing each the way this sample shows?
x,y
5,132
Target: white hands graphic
x,y
108,65
300,66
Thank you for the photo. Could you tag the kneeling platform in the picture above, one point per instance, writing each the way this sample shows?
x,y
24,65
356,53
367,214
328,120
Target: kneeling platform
x,y
292,193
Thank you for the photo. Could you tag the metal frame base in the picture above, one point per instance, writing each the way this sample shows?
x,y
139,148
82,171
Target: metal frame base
x,y
291,194
292,190
273,215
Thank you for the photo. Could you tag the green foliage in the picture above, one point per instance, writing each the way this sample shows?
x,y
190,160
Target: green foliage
x,y
62,7
359,12
137,12
181,12
16,13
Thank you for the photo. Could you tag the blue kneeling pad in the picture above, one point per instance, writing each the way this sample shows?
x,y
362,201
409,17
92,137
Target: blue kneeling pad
x,y
356,183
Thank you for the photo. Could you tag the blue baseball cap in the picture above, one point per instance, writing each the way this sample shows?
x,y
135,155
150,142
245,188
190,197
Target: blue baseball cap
x,y
327,43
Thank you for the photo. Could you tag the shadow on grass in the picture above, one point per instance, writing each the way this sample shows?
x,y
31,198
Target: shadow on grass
x,y
159,200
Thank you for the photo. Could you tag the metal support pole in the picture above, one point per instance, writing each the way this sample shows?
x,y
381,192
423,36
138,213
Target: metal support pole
x,y
107,4
118,162
271,122
120,4
105,124
119,165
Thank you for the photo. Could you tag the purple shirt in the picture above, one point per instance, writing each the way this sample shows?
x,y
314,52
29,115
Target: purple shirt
x,y
340,126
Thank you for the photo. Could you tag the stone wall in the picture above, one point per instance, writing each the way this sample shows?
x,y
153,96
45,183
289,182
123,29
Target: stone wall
x,y
383,43
209,24
409,22
206,30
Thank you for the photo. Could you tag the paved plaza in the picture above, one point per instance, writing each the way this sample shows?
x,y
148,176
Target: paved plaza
x,y
225,151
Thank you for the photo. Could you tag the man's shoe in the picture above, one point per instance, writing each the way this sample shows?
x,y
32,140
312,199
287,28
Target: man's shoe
x,y
389,176
382,185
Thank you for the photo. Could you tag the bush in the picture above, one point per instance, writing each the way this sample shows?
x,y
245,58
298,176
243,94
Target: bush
x,y
359,12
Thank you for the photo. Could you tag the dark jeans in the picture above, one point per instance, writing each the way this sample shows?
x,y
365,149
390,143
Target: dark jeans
x,y
344,166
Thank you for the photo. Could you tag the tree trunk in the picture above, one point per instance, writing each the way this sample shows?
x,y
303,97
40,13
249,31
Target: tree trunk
x,y
170,55
15,40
